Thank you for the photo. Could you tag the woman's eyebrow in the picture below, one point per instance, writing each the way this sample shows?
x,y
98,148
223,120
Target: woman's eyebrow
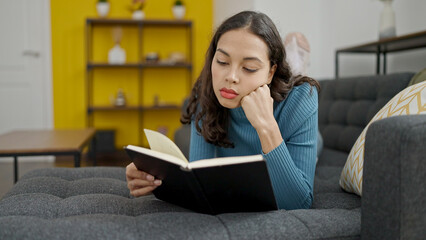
x,y
222,51
245,59
252,58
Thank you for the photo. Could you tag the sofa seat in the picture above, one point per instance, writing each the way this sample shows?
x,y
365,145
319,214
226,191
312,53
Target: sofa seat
x,y
94,202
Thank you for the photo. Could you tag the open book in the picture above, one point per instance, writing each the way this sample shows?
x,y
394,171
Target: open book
x,y
213,186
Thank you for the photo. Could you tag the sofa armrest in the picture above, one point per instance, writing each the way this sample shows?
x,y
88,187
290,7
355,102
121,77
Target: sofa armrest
x,y
394,197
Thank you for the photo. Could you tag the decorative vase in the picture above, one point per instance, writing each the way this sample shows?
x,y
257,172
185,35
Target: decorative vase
x,y
117,55
138,15
387,21
120,100
178,11
102,8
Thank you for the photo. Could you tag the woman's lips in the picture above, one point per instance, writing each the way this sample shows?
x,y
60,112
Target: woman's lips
x,y
228,93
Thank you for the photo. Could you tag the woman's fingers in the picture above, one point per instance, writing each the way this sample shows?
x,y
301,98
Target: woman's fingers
x,y
258,95
133,173
258,107
140,187
140,183
142,191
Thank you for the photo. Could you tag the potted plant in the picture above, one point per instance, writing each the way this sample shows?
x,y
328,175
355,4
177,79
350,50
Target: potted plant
x,y
178,9
137,9
102,7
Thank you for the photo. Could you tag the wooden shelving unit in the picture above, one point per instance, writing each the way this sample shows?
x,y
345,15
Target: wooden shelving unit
x,y
140,65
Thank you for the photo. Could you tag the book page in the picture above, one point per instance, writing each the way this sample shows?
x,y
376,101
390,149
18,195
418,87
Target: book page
x,y
161,143
224,161
158,155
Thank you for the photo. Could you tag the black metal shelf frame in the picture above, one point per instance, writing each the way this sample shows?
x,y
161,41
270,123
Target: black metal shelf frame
x,y
140,66
383,47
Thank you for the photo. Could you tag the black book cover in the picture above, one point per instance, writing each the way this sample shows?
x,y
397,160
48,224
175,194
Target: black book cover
x,y
242,187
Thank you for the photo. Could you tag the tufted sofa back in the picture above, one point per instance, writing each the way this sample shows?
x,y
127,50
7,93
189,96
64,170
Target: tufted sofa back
x,y
346,105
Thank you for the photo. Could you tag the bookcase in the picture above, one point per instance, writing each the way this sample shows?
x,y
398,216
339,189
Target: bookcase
x,y
154,90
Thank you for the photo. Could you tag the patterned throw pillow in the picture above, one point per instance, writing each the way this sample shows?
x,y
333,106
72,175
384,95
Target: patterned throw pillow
x,y
419,77
411,100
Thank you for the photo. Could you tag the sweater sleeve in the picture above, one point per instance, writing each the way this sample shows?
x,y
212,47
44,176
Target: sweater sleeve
x,y
199,148
291,165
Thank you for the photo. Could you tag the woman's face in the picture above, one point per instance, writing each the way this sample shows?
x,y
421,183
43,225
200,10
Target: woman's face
x,y
240,65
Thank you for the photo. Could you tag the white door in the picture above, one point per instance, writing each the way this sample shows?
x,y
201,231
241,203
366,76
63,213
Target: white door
x,y
25,65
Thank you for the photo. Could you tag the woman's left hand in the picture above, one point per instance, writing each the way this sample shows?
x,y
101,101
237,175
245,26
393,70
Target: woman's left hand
x,y
259,109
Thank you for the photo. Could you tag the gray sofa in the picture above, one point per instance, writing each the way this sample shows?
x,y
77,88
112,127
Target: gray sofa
x,y
94,202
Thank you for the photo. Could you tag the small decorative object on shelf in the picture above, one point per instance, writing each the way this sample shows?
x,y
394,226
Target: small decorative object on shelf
x,y
175,57
178,9
117,55
102,7
387,21
120,99
152,57
137,9
156,100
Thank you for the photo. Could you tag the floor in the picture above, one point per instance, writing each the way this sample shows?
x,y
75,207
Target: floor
x,y
118,158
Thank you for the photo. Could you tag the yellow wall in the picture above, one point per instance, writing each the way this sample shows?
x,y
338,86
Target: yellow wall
x,y
69,63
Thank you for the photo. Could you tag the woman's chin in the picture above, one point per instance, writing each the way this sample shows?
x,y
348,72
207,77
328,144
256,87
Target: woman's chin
x,y
229,103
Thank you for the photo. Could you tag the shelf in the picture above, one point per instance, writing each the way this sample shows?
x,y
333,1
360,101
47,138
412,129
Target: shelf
x,y
112,108
149,73
383,47
395,44
166,65
91,65
145,22
108,65
162,107
133,108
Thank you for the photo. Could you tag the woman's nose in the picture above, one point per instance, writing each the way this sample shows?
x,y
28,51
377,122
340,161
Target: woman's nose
x,y
232,76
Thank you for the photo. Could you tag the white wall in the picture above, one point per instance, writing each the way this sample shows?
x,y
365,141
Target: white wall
x,y
223,9
303,16
333,24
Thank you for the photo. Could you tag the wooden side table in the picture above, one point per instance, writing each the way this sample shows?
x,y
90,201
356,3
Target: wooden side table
x,y
44,142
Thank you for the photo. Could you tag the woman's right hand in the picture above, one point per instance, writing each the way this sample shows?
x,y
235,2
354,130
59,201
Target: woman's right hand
x,y
140,183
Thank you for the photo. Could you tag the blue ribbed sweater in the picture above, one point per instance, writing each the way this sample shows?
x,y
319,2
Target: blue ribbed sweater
x,y
291,165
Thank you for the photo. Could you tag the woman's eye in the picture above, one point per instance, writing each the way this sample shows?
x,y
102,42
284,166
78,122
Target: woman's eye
x,y
221,63
250,70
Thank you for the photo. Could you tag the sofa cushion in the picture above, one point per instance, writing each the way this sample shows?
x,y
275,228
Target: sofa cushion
x,y
411,100
94,202
327,192
347,105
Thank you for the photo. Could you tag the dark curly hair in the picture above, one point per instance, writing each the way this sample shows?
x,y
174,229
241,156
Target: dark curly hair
x,y
203,105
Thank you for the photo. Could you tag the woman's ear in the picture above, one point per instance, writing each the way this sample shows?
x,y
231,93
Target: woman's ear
x,y
271,73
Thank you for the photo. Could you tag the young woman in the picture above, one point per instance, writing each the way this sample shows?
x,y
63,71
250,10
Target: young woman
x,y
246,102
